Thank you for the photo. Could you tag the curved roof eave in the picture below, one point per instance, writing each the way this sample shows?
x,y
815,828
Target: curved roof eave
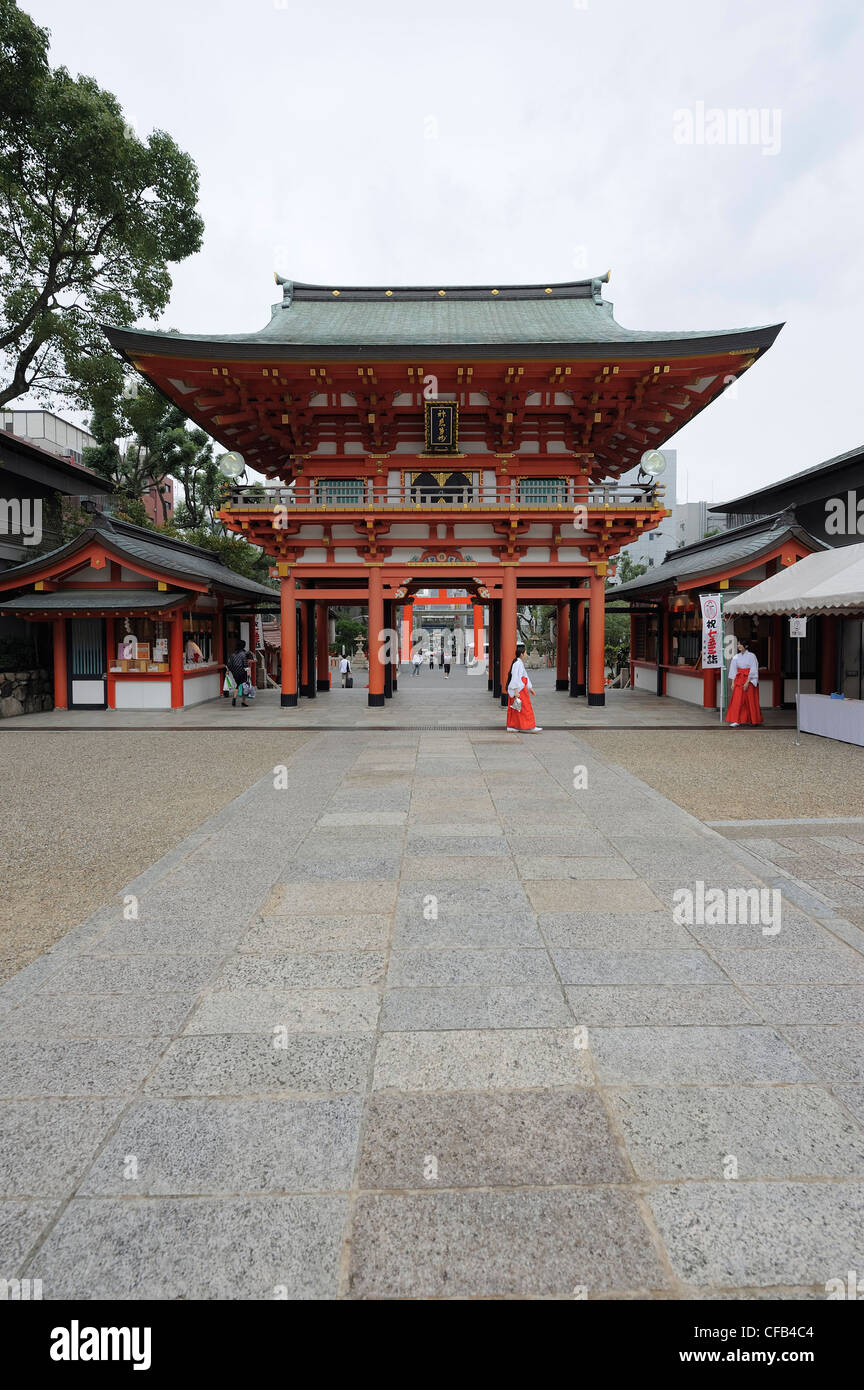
x,y
252,348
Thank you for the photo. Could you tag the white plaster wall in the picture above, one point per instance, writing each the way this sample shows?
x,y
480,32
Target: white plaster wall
x,y
200,688
689,688
477,529
86,692
645,678
150,694
808,687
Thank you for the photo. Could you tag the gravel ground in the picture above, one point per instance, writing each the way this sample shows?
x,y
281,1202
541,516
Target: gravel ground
x,y
82,813
741,774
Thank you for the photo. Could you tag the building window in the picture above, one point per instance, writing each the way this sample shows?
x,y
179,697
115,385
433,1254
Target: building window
x,y
340,492
644,638
543,491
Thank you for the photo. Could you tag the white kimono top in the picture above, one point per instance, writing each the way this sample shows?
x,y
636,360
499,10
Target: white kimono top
x,y
744,661
518,671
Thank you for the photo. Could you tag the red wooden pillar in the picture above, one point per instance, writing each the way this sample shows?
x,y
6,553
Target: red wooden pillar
x,y
376,631
109,646
828,664
175,659
288,638
478,632
508,626
407,631
580,648
666,646
306,675
219,645
220,633
562,669
61,684
597,642
710,680
323,631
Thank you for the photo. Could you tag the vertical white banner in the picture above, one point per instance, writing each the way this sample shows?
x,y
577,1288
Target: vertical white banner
x,y
712,632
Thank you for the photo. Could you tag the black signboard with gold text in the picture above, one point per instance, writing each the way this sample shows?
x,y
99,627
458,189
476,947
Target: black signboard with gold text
x,y
442,427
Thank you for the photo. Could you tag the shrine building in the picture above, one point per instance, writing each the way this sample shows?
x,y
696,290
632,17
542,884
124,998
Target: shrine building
x,y
429,438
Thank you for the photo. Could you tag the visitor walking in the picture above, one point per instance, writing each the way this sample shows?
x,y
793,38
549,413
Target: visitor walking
x,y
237,668
744,678
447,667
345,670
431,660
520,714
416,663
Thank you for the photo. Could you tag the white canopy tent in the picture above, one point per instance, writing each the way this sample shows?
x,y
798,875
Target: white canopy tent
x,y
829,583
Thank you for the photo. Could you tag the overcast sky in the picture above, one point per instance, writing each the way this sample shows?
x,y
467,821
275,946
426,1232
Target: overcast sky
x,y
494,141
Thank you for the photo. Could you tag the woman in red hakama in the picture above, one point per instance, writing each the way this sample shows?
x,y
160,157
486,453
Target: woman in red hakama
x,y
744,701
520,720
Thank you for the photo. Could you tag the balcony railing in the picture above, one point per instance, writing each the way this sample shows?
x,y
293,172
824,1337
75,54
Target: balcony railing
x,y
381,496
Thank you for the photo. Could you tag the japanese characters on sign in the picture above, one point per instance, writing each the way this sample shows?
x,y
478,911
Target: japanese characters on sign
x,y
442,427
712,632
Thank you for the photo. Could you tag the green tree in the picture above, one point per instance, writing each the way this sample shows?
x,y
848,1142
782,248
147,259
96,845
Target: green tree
x,y
534,622
348,631
139,443
616,632
91,217
232,550
189,455
627,569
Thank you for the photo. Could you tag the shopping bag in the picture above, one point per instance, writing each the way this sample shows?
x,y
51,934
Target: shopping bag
x,y
229,684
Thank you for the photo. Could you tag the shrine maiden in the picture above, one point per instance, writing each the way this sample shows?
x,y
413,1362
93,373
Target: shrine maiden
x,y
744,680
520,715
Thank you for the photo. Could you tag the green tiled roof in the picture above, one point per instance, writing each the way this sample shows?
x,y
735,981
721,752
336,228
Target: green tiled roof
x,y
715,555
64,600
569,316
164,554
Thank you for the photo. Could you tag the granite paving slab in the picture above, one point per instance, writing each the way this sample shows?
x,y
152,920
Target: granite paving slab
x,y
424,1023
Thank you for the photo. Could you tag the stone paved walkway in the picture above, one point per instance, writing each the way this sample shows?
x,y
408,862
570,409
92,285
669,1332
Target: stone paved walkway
x,y
418,1022
427,698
